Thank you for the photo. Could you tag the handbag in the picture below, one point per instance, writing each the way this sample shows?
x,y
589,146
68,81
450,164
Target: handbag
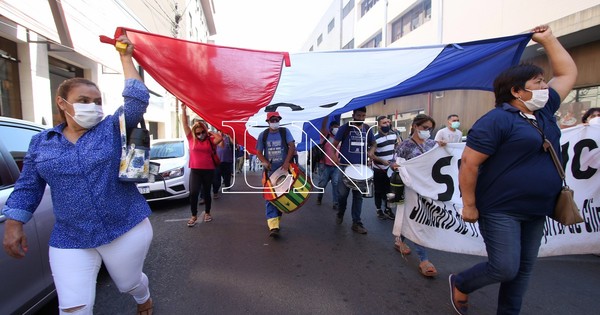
x,y
213,154
565,210
135,152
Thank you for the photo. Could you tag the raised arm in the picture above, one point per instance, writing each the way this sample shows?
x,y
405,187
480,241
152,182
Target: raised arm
x,y
564,70
129,69
185,120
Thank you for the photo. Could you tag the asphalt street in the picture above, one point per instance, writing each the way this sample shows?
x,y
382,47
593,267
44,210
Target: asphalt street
x,y
231,266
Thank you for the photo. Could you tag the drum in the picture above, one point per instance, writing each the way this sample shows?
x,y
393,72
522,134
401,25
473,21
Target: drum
x,y
287,191
359,177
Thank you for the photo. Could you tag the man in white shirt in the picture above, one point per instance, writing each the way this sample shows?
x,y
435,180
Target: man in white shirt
x,y
450,134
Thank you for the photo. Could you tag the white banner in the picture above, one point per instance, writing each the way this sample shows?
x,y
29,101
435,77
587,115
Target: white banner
x,y
430,215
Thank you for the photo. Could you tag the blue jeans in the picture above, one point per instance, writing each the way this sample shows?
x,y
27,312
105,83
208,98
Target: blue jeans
x,y
357,200
329,173
421,251
512,242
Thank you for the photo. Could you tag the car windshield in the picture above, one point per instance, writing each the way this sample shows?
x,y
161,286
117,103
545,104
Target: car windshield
x,y
166,150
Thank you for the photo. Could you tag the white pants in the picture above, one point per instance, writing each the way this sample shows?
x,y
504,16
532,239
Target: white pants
x,y
75,270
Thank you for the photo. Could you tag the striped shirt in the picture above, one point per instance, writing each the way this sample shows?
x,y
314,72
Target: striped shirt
x,y
385,148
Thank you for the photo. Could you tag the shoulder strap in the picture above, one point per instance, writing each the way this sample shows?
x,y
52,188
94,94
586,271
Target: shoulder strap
x,y
548,147
283,134
265,134
346,131
418,146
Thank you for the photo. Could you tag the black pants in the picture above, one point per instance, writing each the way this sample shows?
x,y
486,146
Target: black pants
x,y
222,172
200,179
381,183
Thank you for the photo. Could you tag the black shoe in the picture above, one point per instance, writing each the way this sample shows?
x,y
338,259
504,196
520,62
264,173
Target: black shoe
x,y
389,214
359,228
339,219
274,233
380,215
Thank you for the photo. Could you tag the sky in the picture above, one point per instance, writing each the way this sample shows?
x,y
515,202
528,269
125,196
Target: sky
x,y
276,25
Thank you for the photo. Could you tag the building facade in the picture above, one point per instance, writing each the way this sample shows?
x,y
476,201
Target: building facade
x,y
354,24
44,42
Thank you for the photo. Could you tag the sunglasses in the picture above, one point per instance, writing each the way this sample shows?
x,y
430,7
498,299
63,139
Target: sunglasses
x,y
274,120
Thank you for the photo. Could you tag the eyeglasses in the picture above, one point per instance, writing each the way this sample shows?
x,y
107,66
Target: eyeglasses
x,y
201,133
424,127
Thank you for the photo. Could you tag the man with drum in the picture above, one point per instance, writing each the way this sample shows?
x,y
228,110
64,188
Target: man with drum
x,y
274,154
354,139
382,156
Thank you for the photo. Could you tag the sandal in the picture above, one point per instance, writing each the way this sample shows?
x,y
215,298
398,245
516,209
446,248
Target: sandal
x,y
427,269
402,248
145,308
207,217
192,221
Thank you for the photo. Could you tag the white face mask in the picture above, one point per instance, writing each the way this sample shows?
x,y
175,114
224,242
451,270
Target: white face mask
x,y
594,121
538,100
424,134
334,131
86,115
455,124
274,125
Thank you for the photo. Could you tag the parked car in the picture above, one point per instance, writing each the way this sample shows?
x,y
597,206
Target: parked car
x,y
27,283
172,181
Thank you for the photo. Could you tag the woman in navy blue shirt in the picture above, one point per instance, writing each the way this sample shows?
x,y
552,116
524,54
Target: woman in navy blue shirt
x,y
99,219
507,178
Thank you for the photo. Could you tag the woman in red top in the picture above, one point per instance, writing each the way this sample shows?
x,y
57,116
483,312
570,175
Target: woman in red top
x,y
202,143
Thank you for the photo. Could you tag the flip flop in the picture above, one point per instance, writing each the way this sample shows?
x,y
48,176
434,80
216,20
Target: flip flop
x,y
427,269
192,221
146,308
402,248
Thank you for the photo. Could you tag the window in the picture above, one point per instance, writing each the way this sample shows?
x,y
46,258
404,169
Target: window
x,y
319,39
366,5
347,8
17,141
331,26
167,150
60,71
411,20
374,42
10,93
350,45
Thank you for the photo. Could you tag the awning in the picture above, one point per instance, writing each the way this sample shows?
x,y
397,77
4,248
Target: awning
x,y
74,22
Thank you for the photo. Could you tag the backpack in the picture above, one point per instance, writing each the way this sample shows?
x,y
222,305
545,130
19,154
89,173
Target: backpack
x,y
282,134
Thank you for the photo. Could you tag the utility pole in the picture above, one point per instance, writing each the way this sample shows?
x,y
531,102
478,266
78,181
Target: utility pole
x,y
175,33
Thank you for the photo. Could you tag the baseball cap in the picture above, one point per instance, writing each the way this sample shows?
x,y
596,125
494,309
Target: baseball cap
x,y
273,114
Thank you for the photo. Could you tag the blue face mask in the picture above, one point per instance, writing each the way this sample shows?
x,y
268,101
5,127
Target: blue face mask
x,y
385,129
455,124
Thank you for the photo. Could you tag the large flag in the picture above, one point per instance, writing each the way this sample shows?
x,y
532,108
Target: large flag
x,y
236,87
431,213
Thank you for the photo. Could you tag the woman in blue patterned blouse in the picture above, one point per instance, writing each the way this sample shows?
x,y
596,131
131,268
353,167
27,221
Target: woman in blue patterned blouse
x,y
98,217
418,143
